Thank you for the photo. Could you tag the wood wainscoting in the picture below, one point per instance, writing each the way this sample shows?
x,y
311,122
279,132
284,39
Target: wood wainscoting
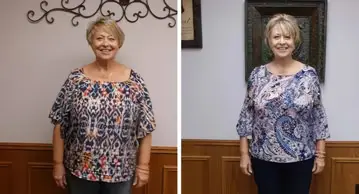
x,y
212,167
27,169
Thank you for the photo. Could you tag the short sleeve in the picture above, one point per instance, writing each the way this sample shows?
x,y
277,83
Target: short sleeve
x,y
246,117
319,117
146,118
60,110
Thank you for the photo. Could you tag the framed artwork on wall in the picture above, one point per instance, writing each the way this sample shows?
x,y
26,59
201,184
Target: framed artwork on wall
x,y
312,19
191,24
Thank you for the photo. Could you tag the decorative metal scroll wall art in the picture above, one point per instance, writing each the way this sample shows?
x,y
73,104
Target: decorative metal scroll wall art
x,y
79,11
312,18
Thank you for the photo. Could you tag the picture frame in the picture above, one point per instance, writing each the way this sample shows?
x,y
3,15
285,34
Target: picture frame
x,y
312,19
191,24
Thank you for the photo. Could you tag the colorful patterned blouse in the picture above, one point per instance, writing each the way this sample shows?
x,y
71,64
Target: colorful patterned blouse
x,y
284,115
101,124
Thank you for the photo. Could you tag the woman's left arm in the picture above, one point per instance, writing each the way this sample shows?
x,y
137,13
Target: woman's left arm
x,y
145,152
143,165
320,126
320,148
319,116
146,126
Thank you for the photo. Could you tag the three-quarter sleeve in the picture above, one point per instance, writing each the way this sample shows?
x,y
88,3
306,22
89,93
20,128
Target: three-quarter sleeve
x,y
244,125
146,121
60,110
319,117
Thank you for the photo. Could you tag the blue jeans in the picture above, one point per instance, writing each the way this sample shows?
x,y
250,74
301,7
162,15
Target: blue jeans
x,y
76,185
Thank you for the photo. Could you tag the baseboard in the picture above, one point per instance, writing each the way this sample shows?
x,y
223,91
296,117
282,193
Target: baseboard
x,y
212,167
26,168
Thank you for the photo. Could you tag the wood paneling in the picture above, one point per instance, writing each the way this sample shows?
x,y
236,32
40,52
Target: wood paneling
x,y
5,176
212,167
169,183
27,169
196,172
345,175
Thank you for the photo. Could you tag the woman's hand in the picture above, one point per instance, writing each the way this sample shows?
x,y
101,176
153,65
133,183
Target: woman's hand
x,y
245,164
142,175
59,175
319,164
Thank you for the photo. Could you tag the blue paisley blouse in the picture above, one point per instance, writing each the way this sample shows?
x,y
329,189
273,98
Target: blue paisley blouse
x,y
101,124
283,115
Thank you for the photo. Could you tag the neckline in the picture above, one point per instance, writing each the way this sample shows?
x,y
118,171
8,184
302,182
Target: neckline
x,y
81,70
284,75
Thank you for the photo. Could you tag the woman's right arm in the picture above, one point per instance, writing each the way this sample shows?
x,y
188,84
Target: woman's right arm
x,y
246,117
59,116
245,125
245,159
243,144
58,153
58,145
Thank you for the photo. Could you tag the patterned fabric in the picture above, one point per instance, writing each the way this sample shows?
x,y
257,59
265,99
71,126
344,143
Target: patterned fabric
x,y
283,115
101,123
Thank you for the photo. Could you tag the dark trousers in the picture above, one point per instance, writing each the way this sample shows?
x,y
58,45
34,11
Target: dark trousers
x,y
282,178
76,185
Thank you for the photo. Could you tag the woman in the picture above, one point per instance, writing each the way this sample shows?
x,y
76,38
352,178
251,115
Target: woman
x,y
284,116
103,115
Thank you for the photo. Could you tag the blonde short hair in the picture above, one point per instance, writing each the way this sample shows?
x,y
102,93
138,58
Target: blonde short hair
x,y
287,23
109,25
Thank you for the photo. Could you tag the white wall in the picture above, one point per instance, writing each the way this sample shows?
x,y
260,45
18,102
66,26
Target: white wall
x,y
213,86
36,58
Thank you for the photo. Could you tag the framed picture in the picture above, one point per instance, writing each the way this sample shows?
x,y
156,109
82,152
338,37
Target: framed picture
x,y
312,19
191,24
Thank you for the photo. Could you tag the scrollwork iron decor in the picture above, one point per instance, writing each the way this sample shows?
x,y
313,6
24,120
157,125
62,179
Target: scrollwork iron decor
x,y
78,11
